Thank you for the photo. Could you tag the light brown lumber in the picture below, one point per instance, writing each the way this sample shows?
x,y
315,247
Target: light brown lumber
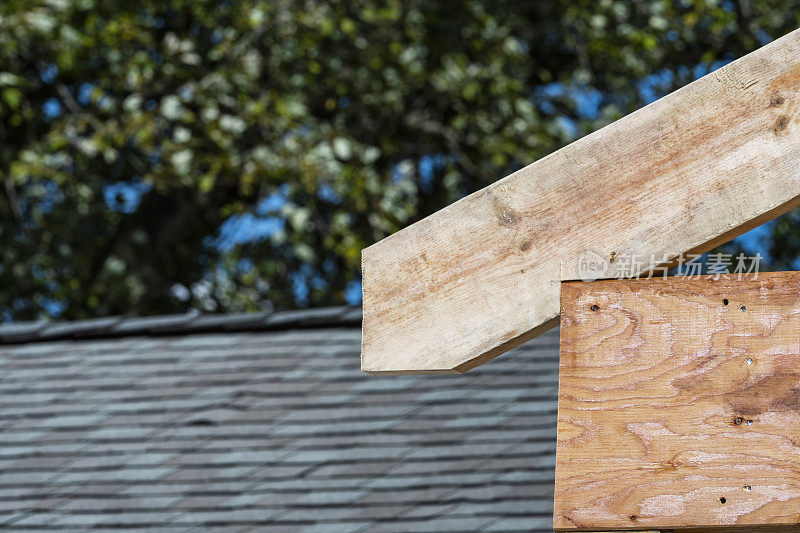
x,y
677,409
686,173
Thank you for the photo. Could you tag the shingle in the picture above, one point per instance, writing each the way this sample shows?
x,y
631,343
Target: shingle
x,y
82,328
385,384
130,519
17,437
8,518
439,524
412,496
466,421
116,474
120,433
40,504
119,504
35,519
64,421
225,516
532,524
309,317
250,456
230,322
330,497
352,315
333,427
21,331
336,527
33,463
427,510
243,500
279,471
159,324
457,450
417,481
190,488
359,469
26,477
209,474
510,506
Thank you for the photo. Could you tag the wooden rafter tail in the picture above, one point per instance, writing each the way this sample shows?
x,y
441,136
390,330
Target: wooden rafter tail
x,y
685,173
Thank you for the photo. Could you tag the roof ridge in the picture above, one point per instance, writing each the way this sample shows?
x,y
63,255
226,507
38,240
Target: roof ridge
x,y
192,322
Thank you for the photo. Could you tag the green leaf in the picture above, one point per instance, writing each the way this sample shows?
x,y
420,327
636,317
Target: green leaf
x,y
12,97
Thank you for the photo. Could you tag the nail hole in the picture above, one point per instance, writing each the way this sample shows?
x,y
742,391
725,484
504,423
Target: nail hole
x,y
722,500
748,361
594,307
633,517
738,420
743,308
725,301
749,422
748,488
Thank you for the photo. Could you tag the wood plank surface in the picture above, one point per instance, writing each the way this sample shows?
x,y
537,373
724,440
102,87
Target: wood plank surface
x,y
679,404
688,172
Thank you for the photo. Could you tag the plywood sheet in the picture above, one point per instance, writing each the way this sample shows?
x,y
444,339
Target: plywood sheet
x,y
679,403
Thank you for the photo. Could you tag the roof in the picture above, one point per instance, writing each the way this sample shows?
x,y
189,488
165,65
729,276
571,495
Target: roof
x,y
243,428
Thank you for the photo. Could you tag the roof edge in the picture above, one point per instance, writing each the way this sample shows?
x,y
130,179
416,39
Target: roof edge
x,y
189,323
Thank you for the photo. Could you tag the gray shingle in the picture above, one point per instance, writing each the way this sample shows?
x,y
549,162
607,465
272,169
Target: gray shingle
x,y
439,524
82,328
21,332
309,317
129,519
226,516
337,527
34,519
528,524
156,324
232,321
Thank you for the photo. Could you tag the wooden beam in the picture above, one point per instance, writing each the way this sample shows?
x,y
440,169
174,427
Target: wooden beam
x,y
686,173
679,404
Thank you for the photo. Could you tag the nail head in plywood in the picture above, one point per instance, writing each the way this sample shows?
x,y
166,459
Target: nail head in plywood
x,y
676,410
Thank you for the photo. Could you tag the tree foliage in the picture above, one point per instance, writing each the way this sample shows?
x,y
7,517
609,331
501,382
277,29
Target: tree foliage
x,y
229,155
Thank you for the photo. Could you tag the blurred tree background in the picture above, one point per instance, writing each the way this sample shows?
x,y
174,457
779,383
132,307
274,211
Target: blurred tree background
x,y
236,155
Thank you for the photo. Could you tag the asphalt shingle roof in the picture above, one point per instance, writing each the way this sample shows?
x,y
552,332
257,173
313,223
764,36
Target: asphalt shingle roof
x,y
239,424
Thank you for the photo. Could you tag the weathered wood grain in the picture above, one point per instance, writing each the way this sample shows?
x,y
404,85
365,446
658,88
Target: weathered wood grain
x,y
679,404
686,173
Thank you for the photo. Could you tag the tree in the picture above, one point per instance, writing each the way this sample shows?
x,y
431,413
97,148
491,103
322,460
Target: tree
x,y
232,155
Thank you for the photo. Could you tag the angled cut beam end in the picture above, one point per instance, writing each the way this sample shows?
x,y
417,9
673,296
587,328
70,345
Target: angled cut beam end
x,y
685,173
